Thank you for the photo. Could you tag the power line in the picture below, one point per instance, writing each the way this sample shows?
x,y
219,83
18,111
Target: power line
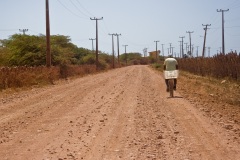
x,y
78,9
70,10
84,8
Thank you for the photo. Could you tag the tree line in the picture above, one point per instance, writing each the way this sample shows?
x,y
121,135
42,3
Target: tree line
x,y
30,50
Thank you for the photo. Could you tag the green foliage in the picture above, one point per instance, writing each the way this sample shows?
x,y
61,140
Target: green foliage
x,y
20,50
89,59
30,50
4,54
131,58
25,50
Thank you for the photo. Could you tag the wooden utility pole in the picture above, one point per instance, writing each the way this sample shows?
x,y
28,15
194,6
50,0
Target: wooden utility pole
x,y
118,47
180,48
173,52
190,42
48,54
223,44
156,51
170,48
113,57
125,53
182,45
96,19
162,50
209,51
92,42
205,35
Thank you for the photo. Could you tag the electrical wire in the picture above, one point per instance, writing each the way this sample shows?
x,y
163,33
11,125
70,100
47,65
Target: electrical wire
x,y
78,9
70,10
84,8
233,5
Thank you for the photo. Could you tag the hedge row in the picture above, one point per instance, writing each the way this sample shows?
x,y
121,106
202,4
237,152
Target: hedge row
x,y
219,66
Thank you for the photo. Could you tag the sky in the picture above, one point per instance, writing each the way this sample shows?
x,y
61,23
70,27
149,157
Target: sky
x,y
140,23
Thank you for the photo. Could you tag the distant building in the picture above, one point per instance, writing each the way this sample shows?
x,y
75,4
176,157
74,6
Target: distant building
x,y
153,54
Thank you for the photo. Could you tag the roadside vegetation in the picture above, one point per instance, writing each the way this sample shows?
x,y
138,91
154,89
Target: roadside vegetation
x,y
214,79
23,60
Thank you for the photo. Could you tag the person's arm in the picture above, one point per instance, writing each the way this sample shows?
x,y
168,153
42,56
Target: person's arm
x,y
176,65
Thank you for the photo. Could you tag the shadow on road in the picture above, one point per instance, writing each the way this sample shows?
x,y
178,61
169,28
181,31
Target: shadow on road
x,y
175,97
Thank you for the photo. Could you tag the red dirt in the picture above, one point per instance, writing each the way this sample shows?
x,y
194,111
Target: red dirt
x,y
124,113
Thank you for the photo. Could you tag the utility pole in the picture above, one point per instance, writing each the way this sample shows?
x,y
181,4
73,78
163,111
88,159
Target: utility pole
x,y
192,50
23,30
118,48
126,53
156,51
48,51
182,45
170,51
145,52
209,51
162,50
206,27
113,57
96,19
92,42
190,41
186,46
197,51
180,48
223,45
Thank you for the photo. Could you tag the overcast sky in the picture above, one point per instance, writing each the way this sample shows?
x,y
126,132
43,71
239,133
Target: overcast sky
x,y
140,22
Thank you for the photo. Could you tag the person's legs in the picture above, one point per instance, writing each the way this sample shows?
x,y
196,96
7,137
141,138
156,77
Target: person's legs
x,y
175,84
166,81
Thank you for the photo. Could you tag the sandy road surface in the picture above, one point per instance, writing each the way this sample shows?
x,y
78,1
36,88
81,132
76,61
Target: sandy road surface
x,y
120,114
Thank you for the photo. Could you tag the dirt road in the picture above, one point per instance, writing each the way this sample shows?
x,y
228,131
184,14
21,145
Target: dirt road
x,y
120,114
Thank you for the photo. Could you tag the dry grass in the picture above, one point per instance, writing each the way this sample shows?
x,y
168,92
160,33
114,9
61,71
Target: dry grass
x,y
220,66
18,77
217,99
221,90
